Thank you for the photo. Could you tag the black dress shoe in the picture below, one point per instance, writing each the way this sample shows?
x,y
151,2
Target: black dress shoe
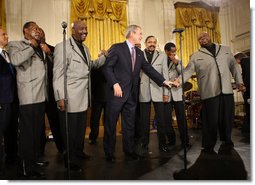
x,y
29,174
84,156
172,143
208,150
164,149
28,171
74,167
92,142
110,158
188,146
131,156
42,163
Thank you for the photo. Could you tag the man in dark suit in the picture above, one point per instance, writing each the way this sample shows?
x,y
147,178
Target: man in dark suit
x,y
7,96
244,61
122,69
51,105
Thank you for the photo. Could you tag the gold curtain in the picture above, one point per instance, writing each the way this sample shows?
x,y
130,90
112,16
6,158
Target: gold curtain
x,y
2,14
106,21
195,18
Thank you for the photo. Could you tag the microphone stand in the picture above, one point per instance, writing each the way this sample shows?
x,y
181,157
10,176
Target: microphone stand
x,y
183,100
66,101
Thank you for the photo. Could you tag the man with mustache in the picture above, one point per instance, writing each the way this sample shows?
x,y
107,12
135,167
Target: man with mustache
x,y
151,93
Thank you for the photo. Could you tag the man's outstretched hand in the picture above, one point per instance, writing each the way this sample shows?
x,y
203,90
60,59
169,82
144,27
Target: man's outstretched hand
x,y
175,83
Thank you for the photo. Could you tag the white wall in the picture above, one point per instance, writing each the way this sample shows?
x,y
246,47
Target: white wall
x,y
48,14
235,24
154,18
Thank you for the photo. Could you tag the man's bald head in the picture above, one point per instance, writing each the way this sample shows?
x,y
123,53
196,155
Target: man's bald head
x,y
79,30
204,39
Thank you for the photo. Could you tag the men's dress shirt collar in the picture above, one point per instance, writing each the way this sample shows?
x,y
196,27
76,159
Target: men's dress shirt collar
x,y
1,50
130,46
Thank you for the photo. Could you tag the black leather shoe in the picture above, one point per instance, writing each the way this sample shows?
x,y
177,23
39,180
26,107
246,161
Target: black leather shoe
x,y
22,171
92,142
84,156
131,157
208,150
164,149
226,146
188,146
42,163
172,143
74,167
110,158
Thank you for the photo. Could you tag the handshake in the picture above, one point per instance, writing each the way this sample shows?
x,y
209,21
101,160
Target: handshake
x,y
170,84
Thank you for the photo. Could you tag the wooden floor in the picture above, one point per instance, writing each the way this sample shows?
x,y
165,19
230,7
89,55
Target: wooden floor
x,y
159,166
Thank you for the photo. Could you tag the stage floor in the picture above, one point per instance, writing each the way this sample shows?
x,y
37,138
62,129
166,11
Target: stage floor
x,y
159,166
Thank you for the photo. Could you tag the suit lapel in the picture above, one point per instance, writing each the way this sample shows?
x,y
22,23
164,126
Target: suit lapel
x,y
128,55
77,50
137,58
144,54
4,62
171,65
2,57
86,53
155,56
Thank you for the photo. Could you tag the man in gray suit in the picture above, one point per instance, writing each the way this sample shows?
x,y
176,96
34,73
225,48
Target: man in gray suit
x,y
149,93
29,59
215,65
175,99
79,65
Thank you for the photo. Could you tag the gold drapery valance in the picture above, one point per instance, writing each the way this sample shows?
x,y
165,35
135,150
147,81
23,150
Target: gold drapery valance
x,y
2,14
106,21
195,18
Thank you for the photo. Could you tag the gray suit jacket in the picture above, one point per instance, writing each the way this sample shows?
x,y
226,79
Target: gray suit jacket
x,y
174,70
213,79
149,90
78,75
31,72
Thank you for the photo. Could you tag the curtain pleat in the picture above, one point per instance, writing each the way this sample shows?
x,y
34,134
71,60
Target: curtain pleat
x,y
195,18
2,14
106,21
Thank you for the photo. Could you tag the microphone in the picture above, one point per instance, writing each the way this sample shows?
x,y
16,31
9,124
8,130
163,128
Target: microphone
x,y
178,30
64,24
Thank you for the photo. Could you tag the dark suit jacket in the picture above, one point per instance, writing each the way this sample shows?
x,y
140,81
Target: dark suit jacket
x,y
7,82
118,69
245,64
49,61
98,85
